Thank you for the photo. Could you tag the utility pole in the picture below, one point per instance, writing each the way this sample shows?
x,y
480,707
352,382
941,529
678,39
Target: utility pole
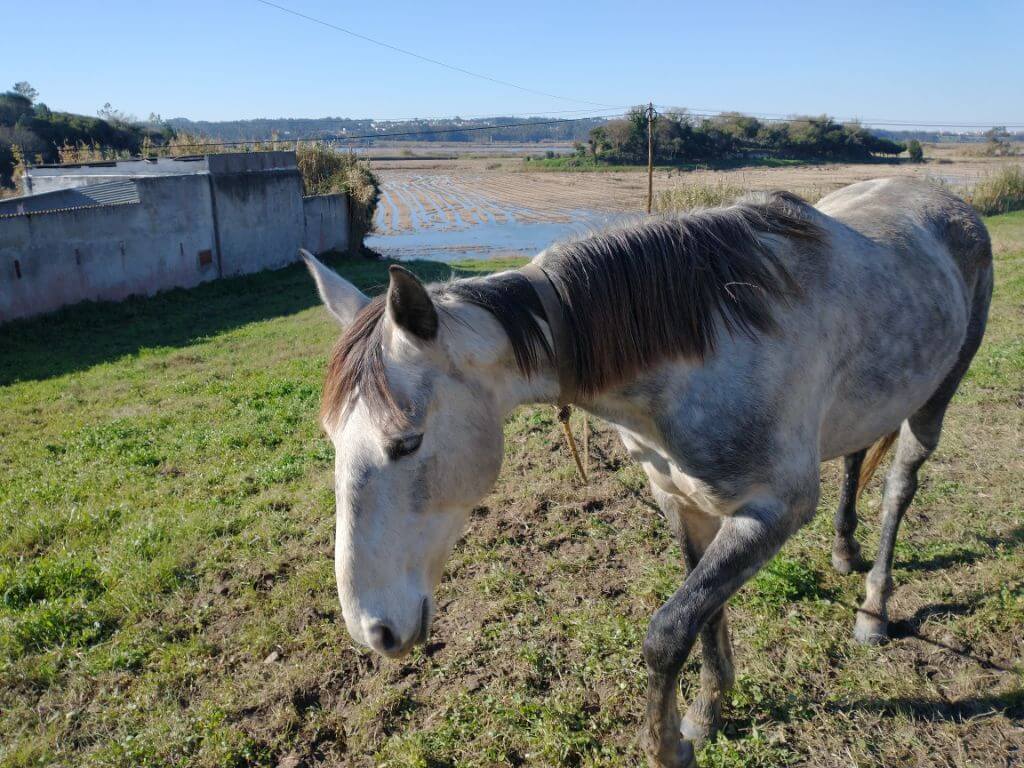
x,y
650,155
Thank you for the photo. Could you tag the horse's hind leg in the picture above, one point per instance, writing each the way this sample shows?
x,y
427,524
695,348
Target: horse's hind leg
x,y
918,437
845,549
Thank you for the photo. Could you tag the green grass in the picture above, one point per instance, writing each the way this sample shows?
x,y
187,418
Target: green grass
x,y
167,594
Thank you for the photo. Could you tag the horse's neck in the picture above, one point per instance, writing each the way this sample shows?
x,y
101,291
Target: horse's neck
x,y
627,405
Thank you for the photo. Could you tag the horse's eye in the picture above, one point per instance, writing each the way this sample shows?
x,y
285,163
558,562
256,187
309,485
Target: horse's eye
x,y
404,446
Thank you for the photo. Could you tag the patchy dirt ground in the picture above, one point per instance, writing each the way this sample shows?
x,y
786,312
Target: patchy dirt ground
x,y
167,595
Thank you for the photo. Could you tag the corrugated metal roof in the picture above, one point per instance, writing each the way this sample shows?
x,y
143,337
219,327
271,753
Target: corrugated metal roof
x,y
108,193
50,211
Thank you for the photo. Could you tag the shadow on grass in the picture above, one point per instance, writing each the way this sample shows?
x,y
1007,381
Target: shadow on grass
x,y
942,561
1011,704
911,628
88,334
1012,540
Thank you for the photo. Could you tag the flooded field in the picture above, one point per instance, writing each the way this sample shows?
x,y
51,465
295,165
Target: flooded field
x,y
444,217
448,209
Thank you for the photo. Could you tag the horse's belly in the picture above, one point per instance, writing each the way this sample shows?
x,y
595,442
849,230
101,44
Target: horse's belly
x,y
876,395
898,336
666,475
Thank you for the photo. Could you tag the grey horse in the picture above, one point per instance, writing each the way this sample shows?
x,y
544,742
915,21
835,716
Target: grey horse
x,y
734,349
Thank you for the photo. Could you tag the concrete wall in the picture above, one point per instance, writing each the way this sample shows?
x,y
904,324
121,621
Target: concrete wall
x,y
111,252
259,219
326,223
238,214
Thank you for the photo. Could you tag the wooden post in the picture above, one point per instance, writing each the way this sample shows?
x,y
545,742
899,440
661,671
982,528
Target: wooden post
x,y
650,155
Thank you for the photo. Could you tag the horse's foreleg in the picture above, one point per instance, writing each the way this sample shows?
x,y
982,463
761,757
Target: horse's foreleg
x,y
744,542
845,549
695,530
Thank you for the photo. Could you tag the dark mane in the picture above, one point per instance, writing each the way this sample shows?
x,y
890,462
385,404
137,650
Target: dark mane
x,y
634,296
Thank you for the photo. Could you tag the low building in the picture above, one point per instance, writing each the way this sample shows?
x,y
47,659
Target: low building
x,y
105,231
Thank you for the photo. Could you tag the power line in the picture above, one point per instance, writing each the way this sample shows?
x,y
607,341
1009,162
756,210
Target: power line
x,y
439,63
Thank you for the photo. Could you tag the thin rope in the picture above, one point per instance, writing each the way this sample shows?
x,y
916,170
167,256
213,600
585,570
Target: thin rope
x,y
564,414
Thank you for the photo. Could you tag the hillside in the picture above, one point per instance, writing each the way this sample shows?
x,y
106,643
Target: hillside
x,y
453,129
40,133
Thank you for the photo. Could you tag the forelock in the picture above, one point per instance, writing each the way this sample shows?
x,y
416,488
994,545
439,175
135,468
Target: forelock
x,y
357,368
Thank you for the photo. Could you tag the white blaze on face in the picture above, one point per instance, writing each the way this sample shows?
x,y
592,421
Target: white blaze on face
x,y
404,493
398,517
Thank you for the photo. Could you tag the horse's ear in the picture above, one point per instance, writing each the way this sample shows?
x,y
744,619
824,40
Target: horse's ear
x,y
341,298
409,304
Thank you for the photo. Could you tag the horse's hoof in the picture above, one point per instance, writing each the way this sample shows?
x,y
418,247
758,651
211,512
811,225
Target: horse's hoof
x,y
696,731
678,755
870,630
847,564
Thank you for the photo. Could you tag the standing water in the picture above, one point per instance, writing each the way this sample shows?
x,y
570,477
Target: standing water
x,y
437,217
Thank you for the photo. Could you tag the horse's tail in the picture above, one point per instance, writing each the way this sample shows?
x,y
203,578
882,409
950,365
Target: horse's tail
x,y
874,457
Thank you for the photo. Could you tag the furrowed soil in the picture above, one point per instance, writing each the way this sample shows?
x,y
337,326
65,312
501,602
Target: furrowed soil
x,y
460,190
167,594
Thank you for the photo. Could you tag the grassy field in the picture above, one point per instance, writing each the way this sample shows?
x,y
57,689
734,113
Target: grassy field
x,y
167,594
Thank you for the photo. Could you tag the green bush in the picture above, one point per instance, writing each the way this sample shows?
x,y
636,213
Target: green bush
x,y
915,151
680,137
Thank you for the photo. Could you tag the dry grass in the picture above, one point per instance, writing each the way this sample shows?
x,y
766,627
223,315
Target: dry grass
x,y
713,194
86,152
328,171
1000,192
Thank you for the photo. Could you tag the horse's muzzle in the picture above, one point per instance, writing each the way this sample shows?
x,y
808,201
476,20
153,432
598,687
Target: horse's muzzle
x,y
382,637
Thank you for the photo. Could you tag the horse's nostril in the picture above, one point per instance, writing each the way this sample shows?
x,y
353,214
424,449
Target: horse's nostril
x,y
382,638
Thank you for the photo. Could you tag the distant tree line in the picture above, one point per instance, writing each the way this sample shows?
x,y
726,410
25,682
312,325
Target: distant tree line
x,y
680,138
32,131
420,130
975,136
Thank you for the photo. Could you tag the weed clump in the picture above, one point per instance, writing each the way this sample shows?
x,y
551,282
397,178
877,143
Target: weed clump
x,y
693,196
1001,192
785,580
326,171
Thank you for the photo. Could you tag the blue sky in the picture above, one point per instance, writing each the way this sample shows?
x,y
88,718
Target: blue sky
x,y
229,59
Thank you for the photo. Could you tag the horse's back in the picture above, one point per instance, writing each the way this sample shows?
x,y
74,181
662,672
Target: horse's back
x,y
887,296
901,213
